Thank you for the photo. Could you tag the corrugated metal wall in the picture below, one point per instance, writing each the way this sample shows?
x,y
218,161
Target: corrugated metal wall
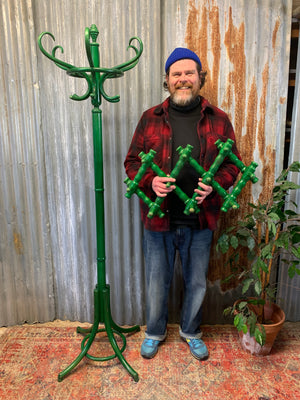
x,y
48,246
288,295
27,268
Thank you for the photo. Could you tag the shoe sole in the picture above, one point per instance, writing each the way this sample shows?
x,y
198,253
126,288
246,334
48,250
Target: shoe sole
x,y
149,357
200,358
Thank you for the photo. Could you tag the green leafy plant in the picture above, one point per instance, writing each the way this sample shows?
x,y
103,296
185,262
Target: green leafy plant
x,y
268,234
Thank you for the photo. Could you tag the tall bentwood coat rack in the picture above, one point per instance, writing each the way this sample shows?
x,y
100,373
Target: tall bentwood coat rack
x,y
95,77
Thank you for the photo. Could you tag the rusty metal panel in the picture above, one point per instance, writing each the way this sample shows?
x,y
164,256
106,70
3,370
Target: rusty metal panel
x,y
48,248
244,47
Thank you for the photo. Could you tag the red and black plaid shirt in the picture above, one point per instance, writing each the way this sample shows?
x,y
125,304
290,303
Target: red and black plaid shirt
x,y
154,132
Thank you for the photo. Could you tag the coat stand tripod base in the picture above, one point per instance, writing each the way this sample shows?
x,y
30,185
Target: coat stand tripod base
x,y
103,315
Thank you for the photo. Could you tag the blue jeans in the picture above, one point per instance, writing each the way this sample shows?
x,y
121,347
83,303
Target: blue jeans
x,y
160,250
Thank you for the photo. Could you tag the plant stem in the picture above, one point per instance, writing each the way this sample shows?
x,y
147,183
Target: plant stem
x,y
272,253
259,234
263,280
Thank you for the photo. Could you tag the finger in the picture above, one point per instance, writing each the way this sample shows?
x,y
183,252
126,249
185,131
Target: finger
x,y
199,200
203,185
167,179
205,188
201,192
162,190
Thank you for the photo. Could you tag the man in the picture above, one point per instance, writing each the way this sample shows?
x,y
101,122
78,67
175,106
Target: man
x,y
183,118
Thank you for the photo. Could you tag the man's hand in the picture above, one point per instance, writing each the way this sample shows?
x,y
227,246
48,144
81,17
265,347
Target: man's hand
x,y
159,185
203,192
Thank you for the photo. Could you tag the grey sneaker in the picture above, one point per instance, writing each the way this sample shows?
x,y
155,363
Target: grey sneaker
x,y
198,348
149,348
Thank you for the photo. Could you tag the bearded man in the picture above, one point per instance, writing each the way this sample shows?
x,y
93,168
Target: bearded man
x,y
185,117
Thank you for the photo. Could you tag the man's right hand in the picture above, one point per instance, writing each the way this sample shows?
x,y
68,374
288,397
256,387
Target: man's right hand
x,y
159,185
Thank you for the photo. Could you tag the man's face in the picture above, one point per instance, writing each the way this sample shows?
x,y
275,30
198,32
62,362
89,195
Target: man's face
x,y
183,82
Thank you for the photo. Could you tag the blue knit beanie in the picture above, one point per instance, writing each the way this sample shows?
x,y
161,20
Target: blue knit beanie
x,y
181,53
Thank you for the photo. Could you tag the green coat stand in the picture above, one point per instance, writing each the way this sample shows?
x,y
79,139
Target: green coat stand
x,y
95,77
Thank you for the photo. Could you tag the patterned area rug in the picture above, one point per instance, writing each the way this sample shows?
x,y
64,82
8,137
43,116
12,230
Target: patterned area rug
x,y
31,356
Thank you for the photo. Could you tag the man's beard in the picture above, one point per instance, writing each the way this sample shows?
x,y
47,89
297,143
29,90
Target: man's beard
x,y
186,100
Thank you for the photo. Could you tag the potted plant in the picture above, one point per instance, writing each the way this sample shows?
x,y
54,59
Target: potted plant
x,y
267,235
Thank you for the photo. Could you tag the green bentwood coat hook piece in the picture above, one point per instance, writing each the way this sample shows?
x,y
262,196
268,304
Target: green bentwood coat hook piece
x,y
207,178
95,77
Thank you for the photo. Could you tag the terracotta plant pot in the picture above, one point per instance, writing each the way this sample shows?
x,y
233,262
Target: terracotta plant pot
x,y
274,314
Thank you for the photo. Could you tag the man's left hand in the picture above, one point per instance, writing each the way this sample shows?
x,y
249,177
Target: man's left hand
x,y
203,192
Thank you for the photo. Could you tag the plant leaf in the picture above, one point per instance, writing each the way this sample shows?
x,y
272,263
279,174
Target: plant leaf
x,y
250,243
251,321
246,284
239,322
258,288
288,185
291,213
296,251
259,336
243,232
296,238
242,305
262,265
273,216
244,328
223,243
272,227
234,241
295,166
266,251
283,240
